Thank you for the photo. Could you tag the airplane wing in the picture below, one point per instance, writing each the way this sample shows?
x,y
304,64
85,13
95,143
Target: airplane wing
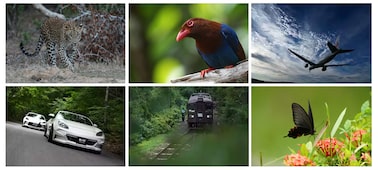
x,y
335,65
331,47
302,58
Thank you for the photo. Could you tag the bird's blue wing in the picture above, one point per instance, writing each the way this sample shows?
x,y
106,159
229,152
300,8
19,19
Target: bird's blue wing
x,y
228,53
232,40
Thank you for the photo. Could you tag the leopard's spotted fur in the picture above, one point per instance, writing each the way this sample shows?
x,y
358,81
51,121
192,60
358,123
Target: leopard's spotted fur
x,y
58,33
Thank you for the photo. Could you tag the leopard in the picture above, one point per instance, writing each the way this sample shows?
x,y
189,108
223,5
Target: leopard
x,y
61,34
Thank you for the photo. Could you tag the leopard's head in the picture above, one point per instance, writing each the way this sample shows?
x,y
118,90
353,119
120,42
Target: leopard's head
x,y
72,31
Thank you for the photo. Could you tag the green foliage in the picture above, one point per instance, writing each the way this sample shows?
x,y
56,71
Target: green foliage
x,y
224,148
37,23
12,13
153,111
166,70
145,147
25,37
353,149
227,109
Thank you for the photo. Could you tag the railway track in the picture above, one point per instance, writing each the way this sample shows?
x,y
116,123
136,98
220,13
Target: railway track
x,y
168,151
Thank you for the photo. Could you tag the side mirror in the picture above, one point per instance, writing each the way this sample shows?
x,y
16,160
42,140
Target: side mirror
x,y
95,125
51,115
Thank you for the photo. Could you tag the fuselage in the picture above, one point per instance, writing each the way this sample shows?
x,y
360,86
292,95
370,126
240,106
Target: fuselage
x,y
327,59
322,63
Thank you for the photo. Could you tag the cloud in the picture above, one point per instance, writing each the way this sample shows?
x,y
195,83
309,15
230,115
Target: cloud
x,y
274,31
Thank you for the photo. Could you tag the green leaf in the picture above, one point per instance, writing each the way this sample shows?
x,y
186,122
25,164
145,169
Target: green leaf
x,y
337,123
309,146
304,150
328,115
359,148
327,111
347,125
365,106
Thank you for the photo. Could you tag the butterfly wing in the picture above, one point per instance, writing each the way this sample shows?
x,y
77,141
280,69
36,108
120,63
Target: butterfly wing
x,y
296,132
312,130
304,124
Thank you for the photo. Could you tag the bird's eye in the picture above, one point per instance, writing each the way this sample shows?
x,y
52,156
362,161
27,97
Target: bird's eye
x,y
190,23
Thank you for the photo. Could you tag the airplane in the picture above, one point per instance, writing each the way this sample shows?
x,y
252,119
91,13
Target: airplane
x,y
322,63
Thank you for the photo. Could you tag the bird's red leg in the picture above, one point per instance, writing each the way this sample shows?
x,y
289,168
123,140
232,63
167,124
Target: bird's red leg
x,y
203,72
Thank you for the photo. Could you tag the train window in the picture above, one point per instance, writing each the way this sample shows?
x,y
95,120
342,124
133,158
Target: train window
x,y
209,106
191,106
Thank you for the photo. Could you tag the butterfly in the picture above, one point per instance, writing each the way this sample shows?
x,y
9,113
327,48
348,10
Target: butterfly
x,y
304,123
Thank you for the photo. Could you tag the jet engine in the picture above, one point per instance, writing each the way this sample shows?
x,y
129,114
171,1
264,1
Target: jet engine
x,y
306,65
324,68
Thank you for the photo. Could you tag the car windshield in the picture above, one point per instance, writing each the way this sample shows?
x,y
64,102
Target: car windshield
x,y
77,118
32,115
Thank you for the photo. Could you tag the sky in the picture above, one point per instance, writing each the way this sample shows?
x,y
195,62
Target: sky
x,y
305,29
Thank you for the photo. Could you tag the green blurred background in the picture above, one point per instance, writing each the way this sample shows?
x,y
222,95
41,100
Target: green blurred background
x,y
155,56
272,116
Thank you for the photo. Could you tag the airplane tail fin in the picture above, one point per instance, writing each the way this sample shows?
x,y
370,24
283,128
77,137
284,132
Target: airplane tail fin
x,y
335,47
332,47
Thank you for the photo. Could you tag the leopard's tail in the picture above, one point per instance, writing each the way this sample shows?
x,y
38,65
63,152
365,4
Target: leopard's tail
x,y
39,46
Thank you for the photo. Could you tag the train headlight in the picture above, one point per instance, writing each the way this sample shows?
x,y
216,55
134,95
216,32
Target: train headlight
x,y
209,116
191,116
191,110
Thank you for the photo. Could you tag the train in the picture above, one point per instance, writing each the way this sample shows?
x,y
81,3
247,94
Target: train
x,y
200,109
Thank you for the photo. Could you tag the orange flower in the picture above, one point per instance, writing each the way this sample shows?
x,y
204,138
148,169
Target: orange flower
x,y
357,137
329,147
366,157
297,160
353,157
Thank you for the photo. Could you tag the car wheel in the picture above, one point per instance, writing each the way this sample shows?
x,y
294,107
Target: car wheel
x,y
51,134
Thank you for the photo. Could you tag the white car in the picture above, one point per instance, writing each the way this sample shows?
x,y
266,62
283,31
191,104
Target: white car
x,y
34,120
74,129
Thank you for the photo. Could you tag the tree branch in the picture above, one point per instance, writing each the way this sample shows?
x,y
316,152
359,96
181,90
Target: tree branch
x,y
47,12
237,74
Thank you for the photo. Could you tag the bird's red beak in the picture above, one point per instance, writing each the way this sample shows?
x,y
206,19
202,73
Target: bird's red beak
x,y
182,34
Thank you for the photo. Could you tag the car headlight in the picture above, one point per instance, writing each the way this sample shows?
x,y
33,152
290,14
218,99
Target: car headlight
x,y
99,133
62,124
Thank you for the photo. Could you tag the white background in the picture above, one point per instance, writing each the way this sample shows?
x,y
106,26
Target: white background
x,y
127,85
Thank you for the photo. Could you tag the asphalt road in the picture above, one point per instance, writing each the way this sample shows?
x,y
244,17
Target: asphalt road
x,y
25,146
